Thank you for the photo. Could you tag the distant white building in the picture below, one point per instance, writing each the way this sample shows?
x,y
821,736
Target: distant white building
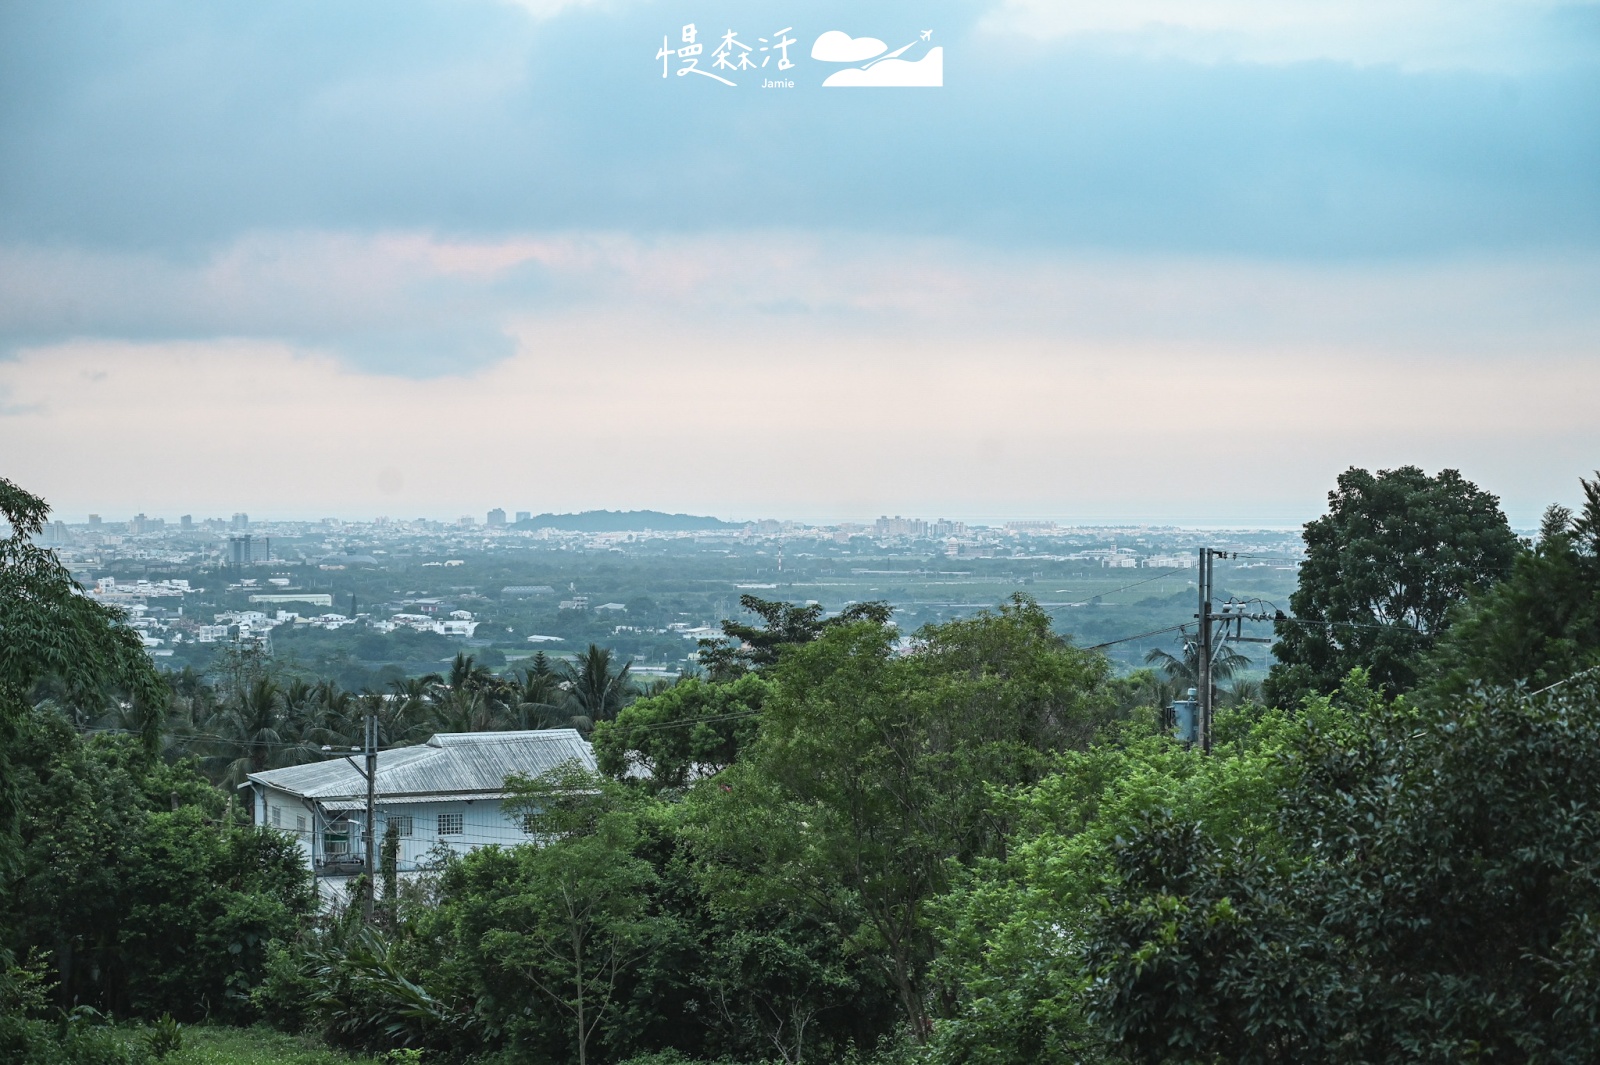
x,y
447,793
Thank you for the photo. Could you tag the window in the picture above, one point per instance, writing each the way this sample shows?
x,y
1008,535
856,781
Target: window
x,y
277,817
450,824
336,839
300,824
401,825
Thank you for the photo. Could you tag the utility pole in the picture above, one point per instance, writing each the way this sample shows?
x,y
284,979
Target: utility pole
x,y
369,747
1203,651
372,822
1211,640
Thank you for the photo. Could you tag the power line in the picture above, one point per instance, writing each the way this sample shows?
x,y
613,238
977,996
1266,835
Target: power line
x,y
1564,680
1159,576
1140,636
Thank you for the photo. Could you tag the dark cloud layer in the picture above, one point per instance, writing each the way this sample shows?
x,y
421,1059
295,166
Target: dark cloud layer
x,y
179,126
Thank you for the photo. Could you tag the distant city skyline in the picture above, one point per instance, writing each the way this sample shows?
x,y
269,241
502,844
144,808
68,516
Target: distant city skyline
x,y
224,525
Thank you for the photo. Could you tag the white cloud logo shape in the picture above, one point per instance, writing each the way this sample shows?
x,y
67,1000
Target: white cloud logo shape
x,y
837,46
924,73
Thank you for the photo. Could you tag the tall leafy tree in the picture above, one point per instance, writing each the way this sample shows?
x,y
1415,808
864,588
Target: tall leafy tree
x,y
743,647
694,727
564,922
868,781
1432,898
49,630
1384,568
1539,625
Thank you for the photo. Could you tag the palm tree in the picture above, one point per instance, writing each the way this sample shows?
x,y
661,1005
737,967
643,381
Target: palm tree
x,y
409,711
465,673
247,731
339,715
305,726
466,710
537,699
597,692
1186,670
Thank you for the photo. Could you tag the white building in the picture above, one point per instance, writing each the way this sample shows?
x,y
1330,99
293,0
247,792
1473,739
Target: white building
x,y
446,792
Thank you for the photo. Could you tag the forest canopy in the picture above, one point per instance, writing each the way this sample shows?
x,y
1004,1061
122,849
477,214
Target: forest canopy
x,y
974,842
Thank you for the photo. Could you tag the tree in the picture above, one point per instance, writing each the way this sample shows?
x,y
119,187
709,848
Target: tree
x,y
50,633
49,630
1185,672
537,698
130,874
1540,624
784,625
1384,568
597,689
869,779
692,727
565,920
1013,928
1432,898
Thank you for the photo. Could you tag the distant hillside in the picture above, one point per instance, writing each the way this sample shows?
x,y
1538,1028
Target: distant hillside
x,y
625,521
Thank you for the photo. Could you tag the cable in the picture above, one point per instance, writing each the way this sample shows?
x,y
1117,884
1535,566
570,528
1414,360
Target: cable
x,y
1140,636
1564,680
687,722
1160,576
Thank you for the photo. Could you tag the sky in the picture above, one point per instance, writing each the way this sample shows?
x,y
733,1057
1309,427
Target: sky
x,y
1134,260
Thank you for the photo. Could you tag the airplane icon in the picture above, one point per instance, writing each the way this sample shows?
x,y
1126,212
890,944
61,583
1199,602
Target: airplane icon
x,y
927,35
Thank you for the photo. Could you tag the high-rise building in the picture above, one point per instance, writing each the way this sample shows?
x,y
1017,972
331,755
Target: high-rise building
x,y
524,515
240,522
94,519
247,550
497,519
898,526
137,524
187,522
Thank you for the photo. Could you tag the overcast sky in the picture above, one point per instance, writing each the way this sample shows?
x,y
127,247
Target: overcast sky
x,y
1135,259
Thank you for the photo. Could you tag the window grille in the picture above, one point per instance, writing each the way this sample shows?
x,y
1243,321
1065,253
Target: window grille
x,y
300,825
277,817
450,824
336,839
402,824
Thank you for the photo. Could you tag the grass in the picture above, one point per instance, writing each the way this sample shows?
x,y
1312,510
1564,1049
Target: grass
x,y
256,1046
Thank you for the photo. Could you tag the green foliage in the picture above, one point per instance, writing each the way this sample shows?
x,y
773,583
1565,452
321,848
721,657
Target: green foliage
x,y
868,778
361,996
164,1038
144,909
743,648
1012,928
596,686
693,727
559,924
257,1046
1434,900
48,631
1540,624
1384,568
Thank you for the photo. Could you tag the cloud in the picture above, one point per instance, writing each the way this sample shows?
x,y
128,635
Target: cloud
x,y
419,304
836,46
981,415
1495,35
190,127
926,73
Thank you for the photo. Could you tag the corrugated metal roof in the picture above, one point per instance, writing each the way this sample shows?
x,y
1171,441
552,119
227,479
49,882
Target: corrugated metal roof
x,y
454,764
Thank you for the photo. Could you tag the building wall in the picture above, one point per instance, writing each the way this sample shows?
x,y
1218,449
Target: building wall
x,y
483,822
